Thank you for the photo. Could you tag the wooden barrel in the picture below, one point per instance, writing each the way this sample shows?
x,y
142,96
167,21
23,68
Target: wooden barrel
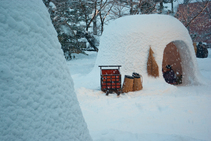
x,y
137,82
128,84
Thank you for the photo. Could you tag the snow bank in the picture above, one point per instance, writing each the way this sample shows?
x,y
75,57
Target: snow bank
x,y
37,98
159,112
126,41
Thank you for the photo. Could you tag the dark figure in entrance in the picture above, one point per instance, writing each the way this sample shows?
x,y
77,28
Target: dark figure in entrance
x,y
169,75
202,51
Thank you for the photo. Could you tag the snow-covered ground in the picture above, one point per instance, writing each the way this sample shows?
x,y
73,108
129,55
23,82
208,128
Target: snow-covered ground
x,y
38,102
156,113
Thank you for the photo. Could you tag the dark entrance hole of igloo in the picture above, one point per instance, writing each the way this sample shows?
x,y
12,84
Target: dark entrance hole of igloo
x,y
171,65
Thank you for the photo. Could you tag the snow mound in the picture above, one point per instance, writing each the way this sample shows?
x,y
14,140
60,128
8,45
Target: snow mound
x,y
126,41
37,98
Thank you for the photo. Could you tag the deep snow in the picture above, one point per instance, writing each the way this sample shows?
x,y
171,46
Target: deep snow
x,y
37,98
156,113
38,102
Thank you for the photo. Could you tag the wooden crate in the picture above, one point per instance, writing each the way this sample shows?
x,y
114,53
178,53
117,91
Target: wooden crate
x,y
110,78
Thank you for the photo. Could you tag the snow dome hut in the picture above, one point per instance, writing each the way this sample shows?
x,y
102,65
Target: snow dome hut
x,y
37,98
146,44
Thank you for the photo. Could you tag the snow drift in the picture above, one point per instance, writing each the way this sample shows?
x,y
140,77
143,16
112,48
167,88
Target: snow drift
x,y
126,41
37,98
159,112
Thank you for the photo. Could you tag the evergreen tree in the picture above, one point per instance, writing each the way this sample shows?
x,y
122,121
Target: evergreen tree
x,y
69,18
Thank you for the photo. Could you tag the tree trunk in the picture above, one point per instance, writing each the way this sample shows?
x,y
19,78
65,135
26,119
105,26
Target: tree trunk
x,y
131,7
102,24
172,6
95,26
90,42
161,7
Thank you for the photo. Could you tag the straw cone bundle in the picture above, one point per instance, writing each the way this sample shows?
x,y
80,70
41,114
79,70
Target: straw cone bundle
x,y
152,66
195,48
128,84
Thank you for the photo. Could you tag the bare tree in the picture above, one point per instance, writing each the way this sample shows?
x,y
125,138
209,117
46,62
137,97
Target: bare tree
x,y
196,18
141,6
97,6
119,9
105,11
193,18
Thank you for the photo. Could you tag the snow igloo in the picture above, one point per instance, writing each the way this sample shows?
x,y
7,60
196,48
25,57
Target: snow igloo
x,y
37,98
127,41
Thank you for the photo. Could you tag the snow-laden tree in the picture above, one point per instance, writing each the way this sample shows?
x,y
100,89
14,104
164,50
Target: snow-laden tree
x,y
70,21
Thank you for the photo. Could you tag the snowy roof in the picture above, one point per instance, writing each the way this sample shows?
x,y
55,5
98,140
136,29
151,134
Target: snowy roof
x,y
126,41
37,98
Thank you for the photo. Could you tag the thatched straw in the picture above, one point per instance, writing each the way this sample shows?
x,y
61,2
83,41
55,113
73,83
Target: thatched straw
x,y
128,84
195,48
152,66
